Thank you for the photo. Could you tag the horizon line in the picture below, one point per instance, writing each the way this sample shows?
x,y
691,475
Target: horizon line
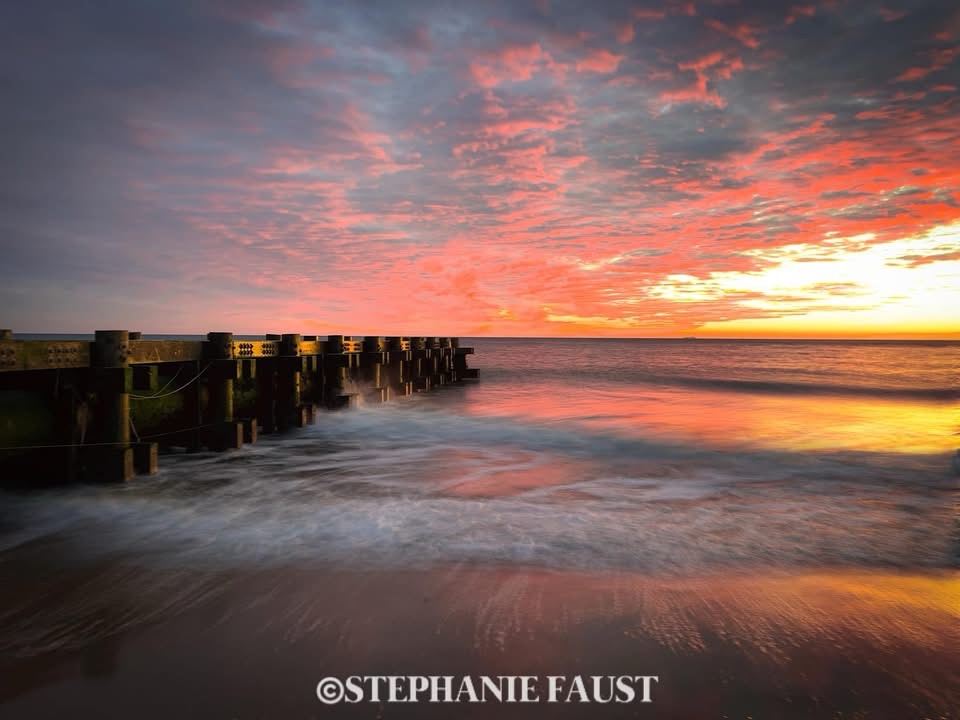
x,y
891,337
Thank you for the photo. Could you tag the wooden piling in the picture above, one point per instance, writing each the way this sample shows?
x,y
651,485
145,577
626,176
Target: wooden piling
x,y
223,432
194,400
266,394
146,458
112,458
373,363
290,409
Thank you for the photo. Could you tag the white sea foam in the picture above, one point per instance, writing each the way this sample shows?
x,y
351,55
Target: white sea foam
x,y
410,485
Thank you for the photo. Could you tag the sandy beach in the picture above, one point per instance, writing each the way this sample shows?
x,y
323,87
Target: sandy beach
x,y
124,640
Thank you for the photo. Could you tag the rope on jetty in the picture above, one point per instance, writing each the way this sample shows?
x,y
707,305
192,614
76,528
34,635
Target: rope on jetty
x,y
65,445
172,392
183,430
106,444
157,394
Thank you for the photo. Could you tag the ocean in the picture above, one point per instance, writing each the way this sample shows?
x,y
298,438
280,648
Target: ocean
x,y
770,527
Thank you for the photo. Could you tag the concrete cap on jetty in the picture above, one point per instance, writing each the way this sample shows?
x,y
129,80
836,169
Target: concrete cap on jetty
x,y
111,348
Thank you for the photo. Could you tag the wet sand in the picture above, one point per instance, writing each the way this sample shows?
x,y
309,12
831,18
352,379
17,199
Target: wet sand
x,y
121,640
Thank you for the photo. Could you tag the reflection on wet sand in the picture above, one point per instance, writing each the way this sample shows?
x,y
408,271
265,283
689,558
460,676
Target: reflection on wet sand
x,y
729,419
820,644
507,473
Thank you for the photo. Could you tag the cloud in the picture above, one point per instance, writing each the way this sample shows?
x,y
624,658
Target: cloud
x,y
501,167
599,61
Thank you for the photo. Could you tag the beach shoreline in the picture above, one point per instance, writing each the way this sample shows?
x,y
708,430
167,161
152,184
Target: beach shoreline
x,y
124,639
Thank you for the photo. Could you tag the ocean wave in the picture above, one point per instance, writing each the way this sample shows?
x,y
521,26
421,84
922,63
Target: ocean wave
x,y
401,488
945,394
626,376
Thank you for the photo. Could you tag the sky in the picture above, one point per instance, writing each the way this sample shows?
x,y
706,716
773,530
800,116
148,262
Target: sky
x,y
742,168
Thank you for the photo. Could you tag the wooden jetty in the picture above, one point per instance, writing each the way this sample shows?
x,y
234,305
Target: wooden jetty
x,y
101,410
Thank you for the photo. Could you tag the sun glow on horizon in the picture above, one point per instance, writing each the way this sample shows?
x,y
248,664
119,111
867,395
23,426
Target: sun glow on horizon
x,y
842,286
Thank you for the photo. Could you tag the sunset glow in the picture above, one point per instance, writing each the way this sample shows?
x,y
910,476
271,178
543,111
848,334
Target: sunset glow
x,y
661,168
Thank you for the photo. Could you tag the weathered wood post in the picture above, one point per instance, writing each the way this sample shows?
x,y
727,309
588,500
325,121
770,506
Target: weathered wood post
x,y
433,362
399,368
311,375
454,349
460,360
290,408
113,460
266,376
224,432
444,361
373,360
336,371
248,372
193,404
418,366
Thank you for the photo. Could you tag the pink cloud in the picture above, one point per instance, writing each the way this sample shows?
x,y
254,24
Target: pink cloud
x,y
800,11
648,14
743,33
892,15
713,66
516,63
599,61
625,33
939,59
